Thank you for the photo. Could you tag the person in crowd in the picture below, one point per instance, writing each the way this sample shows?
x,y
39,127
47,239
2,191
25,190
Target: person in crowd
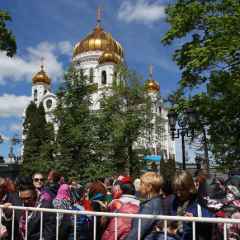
x,y
127,203
63,201
8,197
150,186
167,196
83,222
30,224
136,184
53,183
186,203
38,182
97,195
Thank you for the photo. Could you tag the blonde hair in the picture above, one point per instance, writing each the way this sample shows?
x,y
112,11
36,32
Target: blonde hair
x,y
184,180
154,180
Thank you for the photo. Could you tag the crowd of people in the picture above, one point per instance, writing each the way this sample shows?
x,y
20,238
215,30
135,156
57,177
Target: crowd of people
x,y
183,195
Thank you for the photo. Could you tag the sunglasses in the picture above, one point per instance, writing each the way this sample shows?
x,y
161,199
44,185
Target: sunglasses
x,y
38,179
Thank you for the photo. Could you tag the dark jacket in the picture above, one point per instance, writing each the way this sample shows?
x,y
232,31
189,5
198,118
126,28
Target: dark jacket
x,y
11,197
203,230
49,224
152,206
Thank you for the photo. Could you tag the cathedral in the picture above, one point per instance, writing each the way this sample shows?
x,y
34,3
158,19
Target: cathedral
x,y
96,56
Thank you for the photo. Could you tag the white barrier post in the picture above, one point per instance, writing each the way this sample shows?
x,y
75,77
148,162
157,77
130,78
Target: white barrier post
x,y
225,231
75,227
193,230
116,234
94,227
165,229
41,225
57,226
13,220
139,228
26,225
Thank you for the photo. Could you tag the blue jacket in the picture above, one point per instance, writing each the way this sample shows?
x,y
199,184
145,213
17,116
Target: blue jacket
x,y
152,206
203,230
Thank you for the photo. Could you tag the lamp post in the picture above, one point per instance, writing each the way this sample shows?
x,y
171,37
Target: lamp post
x,y
185,122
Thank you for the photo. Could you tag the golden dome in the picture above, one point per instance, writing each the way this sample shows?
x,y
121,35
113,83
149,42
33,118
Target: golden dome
x,y
109,56
41,77
98,40
152,86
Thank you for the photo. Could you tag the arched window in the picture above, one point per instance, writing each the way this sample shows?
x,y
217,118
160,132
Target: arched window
x,y
35,95
104,77
81,73
91,75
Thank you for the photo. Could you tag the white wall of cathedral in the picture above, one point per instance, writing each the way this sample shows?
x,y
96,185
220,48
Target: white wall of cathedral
x,y
39,91
102,75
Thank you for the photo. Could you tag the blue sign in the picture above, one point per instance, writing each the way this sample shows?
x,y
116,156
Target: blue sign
x,y
155,158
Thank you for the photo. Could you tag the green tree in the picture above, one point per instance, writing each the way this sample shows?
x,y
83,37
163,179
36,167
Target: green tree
x,y
37,135
121,122
76,136
7,40
210,62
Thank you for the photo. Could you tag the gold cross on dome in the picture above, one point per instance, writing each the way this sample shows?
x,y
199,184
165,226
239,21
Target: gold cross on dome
x,y
98,16
42,60
150,71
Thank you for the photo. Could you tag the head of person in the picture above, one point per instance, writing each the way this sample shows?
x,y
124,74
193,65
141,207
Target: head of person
x,y
64,193
97,191
150,184
27,192
6,185
136,184
126,186
38,180
183,186
54,176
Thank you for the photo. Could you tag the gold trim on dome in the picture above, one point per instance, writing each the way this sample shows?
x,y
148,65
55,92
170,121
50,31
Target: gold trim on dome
x,y
111,57
41,77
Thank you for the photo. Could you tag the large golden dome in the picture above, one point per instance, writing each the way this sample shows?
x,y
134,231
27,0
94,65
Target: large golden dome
x,y
41,77
98,39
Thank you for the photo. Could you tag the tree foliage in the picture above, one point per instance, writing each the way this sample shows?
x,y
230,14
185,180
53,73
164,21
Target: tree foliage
x,y
210,62
76,136
7,40
37,155
122,119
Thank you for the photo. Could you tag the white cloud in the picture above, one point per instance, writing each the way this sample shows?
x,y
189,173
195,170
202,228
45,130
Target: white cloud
x,y
65,47
141,11
21,68
15,127
12,105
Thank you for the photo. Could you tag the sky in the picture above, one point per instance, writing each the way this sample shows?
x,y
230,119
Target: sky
x,y
50,29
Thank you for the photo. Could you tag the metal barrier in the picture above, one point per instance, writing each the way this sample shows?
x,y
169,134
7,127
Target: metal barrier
x,y
165,219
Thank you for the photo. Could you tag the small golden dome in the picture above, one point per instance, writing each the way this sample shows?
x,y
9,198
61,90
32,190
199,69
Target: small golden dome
x,y
98,40
111,57
41,77
152,86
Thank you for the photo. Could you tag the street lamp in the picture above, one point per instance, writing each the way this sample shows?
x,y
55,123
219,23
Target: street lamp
x,y
185,122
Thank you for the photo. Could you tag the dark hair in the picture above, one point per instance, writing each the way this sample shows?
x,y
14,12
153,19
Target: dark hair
x,y
167,187
127,188
54,176
24,184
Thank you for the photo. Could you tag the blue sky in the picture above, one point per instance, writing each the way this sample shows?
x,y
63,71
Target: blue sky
x,y
49,29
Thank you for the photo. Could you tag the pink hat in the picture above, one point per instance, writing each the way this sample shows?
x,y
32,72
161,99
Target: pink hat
x,y
63,192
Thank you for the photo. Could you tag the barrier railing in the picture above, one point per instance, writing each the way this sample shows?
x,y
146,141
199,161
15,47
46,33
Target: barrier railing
x,y
140,217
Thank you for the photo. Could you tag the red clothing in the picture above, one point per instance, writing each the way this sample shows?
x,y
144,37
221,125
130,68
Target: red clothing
x,y
123,224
